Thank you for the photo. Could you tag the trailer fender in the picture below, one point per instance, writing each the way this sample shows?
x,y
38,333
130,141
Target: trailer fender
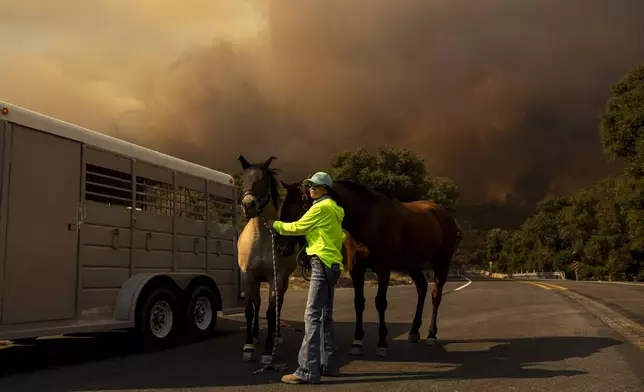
x,y
128,296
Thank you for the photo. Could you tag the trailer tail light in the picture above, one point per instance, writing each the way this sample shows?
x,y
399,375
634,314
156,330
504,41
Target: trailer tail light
x,y
5,111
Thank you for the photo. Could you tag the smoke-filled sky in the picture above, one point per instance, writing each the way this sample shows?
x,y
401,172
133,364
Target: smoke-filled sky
x,y
502,96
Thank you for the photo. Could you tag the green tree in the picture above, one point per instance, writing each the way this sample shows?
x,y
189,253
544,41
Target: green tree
x,y
622,123
496,240
605,223
443,191
398,171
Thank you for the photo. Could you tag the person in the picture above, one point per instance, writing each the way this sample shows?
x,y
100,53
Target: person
x,y
322,227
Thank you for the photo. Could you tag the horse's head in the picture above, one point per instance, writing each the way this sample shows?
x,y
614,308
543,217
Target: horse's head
x,y
296,203
259,187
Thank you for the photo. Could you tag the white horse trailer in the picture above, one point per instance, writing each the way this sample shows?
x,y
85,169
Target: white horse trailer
x,y
99,234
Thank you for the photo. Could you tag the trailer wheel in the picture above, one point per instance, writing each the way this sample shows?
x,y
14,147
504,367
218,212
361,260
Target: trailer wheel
x,y
201,314
156,320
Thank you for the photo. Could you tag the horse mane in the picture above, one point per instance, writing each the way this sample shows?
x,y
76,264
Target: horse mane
x,y
386,192
375,194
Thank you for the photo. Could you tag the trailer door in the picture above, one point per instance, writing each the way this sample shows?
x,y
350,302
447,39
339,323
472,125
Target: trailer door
x,y
42,235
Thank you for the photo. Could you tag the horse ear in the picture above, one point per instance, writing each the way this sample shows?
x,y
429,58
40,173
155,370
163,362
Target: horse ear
x,y
244,162
285,185
268,162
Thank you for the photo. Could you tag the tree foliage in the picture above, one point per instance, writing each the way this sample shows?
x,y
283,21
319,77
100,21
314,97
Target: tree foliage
x,y
605,223
398,171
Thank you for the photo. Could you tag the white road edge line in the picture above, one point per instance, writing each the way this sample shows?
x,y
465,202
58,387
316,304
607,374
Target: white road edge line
x,y
469,282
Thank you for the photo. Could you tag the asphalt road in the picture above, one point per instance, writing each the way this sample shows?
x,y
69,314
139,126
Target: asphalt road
x,y
627,298
505,336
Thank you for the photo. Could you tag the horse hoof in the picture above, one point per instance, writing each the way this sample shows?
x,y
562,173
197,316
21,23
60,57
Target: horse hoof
x,y
279,340
266,359
430,341
413,338
356,347
381,351
249,350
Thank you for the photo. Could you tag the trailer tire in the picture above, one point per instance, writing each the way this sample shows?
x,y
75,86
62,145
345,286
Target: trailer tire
x,y
201,315
157,318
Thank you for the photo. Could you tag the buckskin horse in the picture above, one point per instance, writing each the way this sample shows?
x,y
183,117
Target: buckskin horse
x,y
385,235
261,198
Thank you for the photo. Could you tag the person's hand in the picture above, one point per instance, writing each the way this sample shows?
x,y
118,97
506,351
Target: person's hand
x,y
269,223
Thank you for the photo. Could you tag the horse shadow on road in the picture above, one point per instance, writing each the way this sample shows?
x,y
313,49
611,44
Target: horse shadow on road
x,y
108,361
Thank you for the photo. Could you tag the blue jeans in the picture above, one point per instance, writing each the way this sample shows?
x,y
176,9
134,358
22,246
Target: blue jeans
x,y
314,357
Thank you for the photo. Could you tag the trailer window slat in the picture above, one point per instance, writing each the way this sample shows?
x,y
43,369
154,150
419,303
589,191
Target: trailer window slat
x,y
107,186
107,196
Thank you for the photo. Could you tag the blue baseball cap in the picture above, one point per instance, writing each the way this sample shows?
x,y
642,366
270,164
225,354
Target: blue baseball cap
x,y
319,178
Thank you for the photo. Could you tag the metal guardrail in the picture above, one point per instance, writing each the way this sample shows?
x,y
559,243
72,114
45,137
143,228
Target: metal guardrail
x,y
520,276
539,275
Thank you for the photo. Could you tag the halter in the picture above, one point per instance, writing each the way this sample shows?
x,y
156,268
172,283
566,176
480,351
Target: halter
x,y
305,199
263,202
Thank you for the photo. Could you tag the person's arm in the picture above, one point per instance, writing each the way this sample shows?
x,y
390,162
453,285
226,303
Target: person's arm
x,y
309,220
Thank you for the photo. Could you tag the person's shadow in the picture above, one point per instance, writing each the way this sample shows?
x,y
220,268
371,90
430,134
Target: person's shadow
x,y
109,362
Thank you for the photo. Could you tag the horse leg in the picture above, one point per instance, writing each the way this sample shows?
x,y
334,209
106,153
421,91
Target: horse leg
x,y
421,289
257,304
281,293
253,301
271,317
381,306
249,346
357,276
273,332
440,277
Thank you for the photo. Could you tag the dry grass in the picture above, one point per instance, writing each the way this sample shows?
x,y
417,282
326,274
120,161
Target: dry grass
x,y
396,279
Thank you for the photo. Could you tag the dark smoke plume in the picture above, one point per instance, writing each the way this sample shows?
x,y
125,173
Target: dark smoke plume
x,y
502,96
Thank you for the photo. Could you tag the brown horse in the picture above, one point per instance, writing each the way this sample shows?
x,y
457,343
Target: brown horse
x,y
261,198
386,235
404,237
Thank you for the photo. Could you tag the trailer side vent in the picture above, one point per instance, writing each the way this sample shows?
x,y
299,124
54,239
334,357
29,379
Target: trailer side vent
x,y
191,204
221,210
154,196
108,186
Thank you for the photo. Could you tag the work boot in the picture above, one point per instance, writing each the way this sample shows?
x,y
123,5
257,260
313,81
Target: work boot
x,y
293,379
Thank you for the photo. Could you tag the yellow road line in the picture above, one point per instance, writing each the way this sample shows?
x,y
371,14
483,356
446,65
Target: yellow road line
x,y
539,285
554,285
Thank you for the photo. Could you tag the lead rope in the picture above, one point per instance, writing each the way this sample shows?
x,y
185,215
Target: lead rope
x,y
278,337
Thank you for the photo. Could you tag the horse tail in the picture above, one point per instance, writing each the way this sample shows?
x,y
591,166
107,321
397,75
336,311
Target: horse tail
x,y
459,232
349,251
452,233
448,222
